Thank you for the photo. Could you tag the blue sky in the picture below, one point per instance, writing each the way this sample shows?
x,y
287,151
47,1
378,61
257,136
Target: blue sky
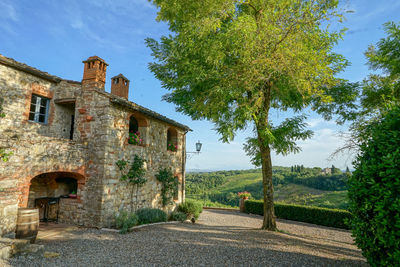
x,y
55,36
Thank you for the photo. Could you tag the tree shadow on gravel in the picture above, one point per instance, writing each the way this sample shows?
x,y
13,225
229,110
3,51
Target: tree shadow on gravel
x,y
186,244
209,242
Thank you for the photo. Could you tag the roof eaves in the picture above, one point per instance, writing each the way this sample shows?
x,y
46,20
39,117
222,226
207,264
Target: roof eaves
x,y
146,111
28,69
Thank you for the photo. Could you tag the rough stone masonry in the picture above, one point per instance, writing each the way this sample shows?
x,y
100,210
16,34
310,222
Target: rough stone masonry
x,y
66,136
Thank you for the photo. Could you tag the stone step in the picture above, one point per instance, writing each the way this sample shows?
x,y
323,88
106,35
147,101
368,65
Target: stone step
x,y
5,251
10,247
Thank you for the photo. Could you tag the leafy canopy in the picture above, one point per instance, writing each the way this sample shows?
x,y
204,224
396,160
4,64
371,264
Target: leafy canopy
x,y
229,61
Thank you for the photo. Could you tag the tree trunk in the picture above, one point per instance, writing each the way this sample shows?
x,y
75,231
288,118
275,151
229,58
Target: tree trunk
x,y
269,222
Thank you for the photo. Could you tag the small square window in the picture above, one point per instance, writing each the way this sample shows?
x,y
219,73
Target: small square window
x,y
39,109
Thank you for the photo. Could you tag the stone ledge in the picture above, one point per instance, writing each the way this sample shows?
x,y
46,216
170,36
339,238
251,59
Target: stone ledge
x,y
137,227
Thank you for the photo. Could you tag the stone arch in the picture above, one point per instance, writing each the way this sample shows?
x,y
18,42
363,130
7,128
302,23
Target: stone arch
x,y
49,178
141,120
55,195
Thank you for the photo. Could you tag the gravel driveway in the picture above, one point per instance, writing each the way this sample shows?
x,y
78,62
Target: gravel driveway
x,y
219,238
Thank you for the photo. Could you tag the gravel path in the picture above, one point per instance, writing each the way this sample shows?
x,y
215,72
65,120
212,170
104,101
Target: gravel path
x,y
219,238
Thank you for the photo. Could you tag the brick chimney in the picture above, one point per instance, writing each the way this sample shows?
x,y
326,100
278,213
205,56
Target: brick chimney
x,y
94,72
120,86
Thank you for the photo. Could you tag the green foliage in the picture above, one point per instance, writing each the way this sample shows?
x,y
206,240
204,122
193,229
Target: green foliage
x,y
220,188
383,91
121,164
231,62
4,155
134,138
321,216
148,215
208,203
126,220
135,175
191,208
374,192
301,195
169,185
283,139
171,146
178,216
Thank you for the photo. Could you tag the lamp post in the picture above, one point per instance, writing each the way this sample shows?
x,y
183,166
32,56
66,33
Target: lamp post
x,y
186,157
198,148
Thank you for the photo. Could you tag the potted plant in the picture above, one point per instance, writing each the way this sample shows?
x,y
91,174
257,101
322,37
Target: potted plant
x,y
134,138
243,197
171,146
73,195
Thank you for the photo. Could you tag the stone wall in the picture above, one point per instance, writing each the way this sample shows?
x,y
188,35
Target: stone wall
x,y
71,211
37,148
100,136
117,195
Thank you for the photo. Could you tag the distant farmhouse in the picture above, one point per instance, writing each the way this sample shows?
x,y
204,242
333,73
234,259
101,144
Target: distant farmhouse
x,y
326,171
66,137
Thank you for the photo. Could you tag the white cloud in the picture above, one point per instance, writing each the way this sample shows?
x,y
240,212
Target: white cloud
x,y
8,16
7,11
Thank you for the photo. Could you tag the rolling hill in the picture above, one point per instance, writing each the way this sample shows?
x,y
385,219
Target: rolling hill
x,y
305,186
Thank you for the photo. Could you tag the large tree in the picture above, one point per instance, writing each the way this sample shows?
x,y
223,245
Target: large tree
x,y
233,62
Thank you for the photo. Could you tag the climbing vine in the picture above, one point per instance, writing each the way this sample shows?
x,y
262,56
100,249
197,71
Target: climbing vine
x,y
134,176
169,185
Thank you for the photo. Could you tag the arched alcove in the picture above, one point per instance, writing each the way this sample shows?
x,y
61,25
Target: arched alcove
x,y
48,189
172,139
138,127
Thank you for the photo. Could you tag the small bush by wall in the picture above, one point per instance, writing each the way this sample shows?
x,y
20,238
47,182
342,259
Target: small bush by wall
x,y
321,216
178,216
126,220
191,209
151,216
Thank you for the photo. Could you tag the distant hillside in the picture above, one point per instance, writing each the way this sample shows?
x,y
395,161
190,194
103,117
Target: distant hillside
x,y
299,185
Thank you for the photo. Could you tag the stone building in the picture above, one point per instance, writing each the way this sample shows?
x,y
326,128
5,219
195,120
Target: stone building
x,y
66,137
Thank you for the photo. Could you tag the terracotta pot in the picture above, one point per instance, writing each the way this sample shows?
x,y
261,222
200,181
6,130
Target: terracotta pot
x,y
72,196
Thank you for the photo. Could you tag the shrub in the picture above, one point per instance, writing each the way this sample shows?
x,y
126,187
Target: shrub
x,y
126,220
321,216
178,216
374,192
191,208
148,215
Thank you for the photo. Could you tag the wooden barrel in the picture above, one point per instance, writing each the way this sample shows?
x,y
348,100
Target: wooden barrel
x,y
27,224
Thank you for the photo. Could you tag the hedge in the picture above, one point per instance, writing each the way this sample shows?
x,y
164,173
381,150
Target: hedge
x,y
316,215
